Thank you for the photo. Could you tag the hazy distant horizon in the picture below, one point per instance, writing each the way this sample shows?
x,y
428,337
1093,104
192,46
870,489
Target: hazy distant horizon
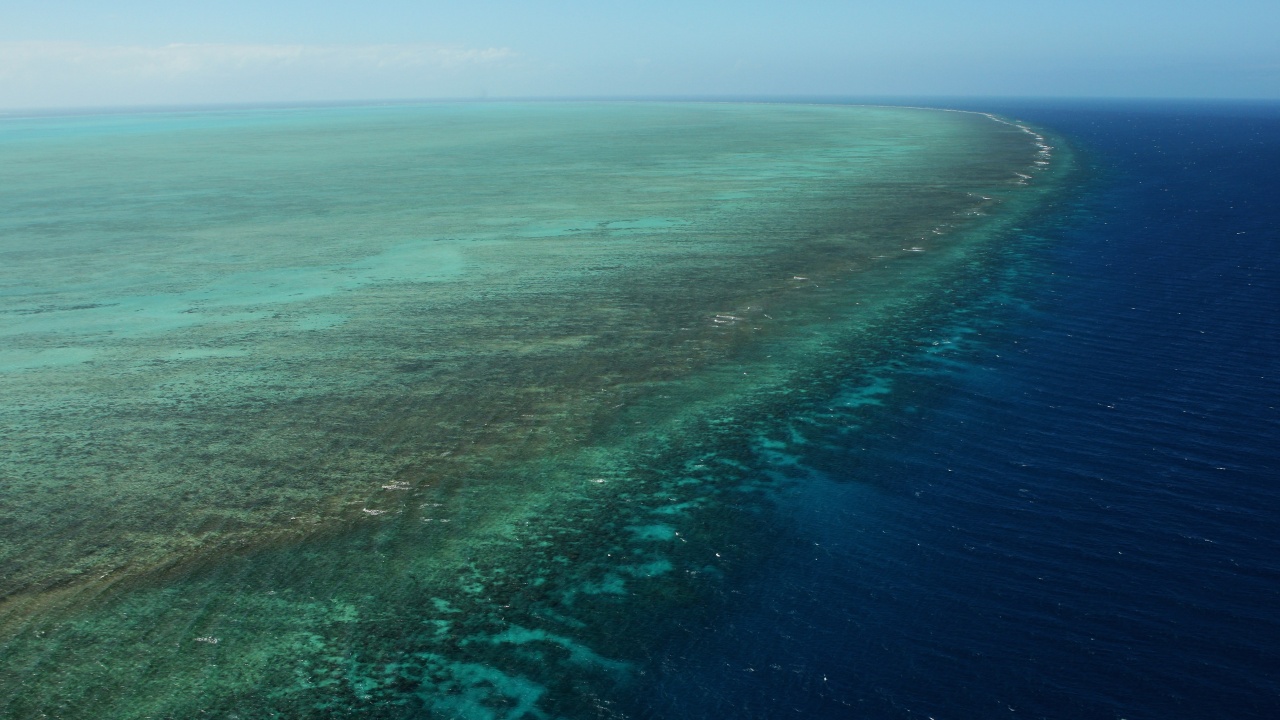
x,y
147,53
959,102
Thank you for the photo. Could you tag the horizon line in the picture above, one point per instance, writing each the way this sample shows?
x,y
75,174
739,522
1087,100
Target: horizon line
x,y
831,99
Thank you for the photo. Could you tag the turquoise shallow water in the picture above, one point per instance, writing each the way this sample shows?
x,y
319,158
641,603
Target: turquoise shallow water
x,y
434,410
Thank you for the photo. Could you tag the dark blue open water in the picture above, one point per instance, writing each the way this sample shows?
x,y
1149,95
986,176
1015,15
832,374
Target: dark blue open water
x,y
1077,514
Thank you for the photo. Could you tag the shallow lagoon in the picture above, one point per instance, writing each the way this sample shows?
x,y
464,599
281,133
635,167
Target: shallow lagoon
x,y
455,407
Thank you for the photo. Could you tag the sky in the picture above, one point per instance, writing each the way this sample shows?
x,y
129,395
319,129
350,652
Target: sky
x,y
77,53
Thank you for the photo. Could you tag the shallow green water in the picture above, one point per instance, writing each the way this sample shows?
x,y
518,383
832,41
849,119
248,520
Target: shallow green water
x,y
404,411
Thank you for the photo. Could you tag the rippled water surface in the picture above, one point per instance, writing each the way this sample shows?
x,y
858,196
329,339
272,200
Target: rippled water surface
x,y
452,411
1071,510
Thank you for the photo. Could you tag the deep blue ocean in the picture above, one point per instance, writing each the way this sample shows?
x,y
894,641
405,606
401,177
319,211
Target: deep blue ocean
x,y
1077,513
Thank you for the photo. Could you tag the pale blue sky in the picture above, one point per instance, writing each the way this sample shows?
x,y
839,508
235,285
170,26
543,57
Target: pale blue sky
x,y
71,53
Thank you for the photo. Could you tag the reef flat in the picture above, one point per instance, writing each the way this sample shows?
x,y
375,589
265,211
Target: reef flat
x,y
434,410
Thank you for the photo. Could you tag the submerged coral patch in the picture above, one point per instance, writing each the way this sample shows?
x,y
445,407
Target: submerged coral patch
x,y
441,410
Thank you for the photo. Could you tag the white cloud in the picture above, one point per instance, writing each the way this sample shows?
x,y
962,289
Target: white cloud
x,y
180,59
35,74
